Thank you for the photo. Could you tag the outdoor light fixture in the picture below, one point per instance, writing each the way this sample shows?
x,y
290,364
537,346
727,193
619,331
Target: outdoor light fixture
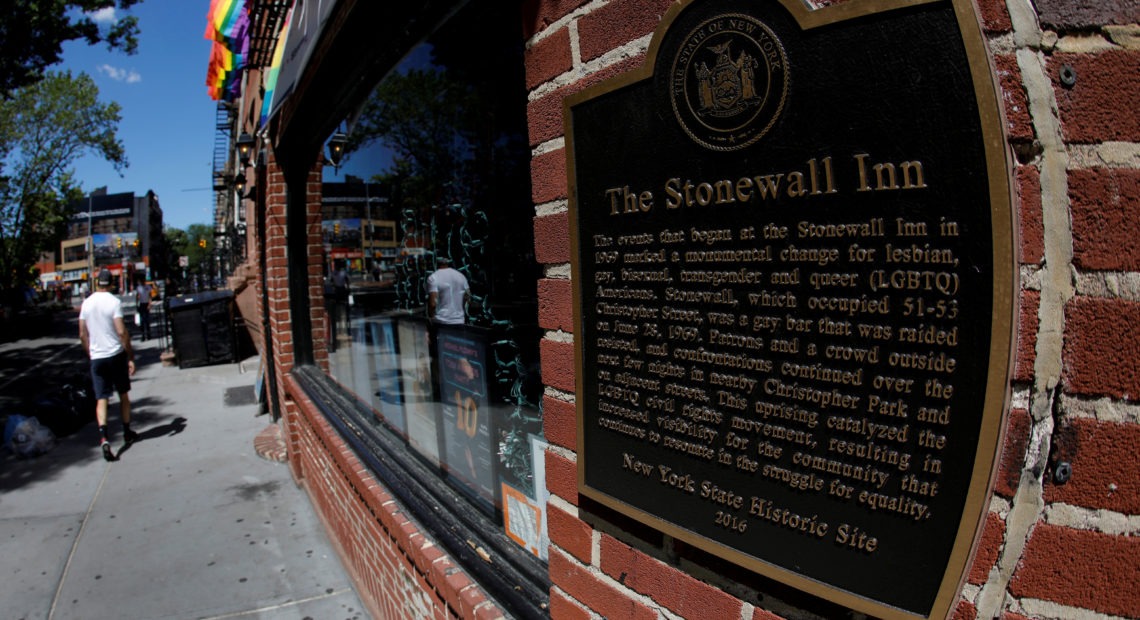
x,y
336,148
244,147
239,182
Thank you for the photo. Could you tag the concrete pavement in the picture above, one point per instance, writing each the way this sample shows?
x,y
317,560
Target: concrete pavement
x,y
189,523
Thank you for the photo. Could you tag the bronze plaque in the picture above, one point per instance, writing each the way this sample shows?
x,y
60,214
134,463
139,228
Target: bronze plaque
x,y
794,275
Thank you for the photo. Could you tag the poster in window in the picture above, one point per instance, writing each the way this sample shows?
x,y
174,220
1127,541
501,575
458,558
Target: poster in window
x,y
466,411
361,366
387,394
538,456
416,381
523,520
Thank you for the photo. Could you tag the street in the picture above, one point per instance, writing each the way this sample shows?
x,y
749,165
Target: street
x,y
30,367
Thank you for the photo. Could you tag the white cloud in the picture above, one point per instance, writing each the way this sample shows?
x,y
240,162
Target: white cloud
x,y
130,76
103,16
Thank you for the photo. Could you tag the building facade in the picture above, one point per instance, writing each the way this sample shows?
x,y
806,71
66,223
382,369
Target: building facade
x,y
119,232
448,462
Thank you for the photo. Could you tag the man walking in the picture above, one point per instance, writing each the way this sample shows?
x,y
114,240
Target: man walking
x,y
448,294
142,307
108,345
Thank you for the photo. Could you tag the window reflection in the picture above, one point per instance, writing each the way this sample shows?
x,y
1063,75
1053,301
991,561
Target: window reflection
x,y
437,166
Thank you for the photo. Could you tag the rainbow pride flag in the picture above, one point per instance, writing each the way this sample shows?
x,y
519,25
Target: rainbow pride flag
x,y
227,25
275,70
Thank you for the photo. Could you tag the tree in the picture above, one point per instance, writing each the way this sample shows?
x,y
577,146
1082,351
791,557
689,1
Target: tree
x,y
44,129
196,243
32,33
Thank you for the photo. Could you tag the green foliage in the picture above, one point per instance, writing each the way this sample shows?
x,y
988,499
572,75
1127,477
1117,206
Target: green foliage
x,y
44,129
427,119
189,243
32,33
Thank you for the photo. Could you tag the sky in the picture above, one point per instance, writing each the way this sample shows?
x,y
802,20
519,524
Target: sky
x,y
167,125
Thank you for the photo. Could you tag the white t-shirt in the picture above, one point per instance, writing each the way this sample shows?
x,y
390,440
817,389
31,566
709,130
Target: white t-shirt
x,y
99,312
450,285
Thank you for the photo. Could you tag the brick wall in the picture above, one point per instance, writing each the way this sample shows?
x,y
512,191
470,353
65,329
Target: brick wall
x,y
1049,547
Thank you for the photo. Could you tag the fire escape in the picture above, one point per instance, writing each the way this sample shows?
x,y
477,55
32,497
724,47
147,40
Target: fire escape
x,y
266,20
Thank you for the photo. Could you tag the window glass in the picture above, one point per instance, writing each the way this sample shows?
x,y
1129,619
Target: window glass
x,y
429,269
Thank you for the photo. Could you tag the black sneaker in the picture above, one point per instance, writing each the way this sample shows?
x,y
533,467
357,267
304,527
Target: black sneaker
x,y
108,455
129,437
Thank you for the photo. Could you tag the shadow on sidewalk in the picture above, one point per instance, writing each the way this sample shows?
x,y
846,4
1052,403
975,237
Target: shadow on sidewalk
x,y
170,429
82,447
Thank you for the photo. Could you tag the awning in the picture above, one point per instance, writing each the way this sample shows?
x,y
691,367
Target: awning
x,y
267,102
306,23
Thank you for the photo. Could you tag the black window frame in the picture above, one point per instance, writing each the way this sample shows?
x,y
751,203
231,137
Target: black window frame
x,y
345,68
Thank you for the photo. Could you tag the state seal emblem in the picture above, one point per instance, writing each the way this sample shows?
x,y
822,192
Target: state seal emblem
x,y
728,82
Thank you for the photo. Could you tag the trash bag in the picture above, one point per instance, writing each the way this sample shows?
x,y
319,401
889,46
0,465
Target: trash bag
x,y
26,437
68,409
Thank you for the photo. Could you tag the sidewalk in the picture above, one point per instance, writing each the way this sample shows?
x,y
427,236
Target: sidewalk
x,y
190,522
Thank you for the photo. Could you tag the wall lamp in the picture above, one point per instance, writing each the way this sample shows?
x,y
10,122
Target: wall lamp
x,y
244,148
239,183
337,143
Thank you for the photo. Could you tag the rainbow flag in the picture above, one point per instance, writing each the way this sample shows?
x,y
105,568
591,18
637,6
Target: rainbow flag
x,y
275,70
227,25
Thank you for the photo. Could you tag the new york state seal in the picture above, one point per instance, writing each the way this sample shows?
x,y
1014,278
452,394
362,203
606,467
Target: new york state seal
x,y
728,82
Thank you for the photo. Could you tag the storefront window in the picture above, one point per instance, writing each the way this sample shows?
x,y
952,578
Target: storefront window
x,y
429,269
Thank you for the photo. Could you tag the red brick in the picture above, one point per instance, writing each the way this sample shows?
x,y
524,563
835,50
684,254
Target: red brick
x,y
489,612
618,23
564,608
1027,325
557,360
548,176
570,533
1105,207
548,58
1031,229
562,477
552,238
1080,568
1101,341
995,17
1015,101
470,599
1101,105
560,422
993,536
964,611
451,587
544,118
1009,615
556,304
600,596
667,585
538,14
1103,458
544,115
1013,453
764,614
1069,15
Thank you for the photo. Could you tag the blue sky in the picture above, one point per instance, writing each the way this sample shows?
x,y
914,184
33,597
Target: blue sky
x,y
167,124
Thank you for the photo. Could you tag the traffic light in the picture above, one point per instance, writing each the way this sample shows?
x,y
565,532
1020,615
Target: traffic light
x,y
119,242
202,243
336,228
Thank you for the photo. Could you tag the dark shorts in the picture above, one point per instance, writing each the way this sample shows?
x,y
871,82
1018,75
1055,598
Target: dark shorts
x,y
110,375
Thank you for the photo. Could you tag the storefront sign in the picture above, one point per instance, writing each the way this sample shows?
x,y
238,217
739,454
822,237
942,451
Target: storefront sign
x,y
794,278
